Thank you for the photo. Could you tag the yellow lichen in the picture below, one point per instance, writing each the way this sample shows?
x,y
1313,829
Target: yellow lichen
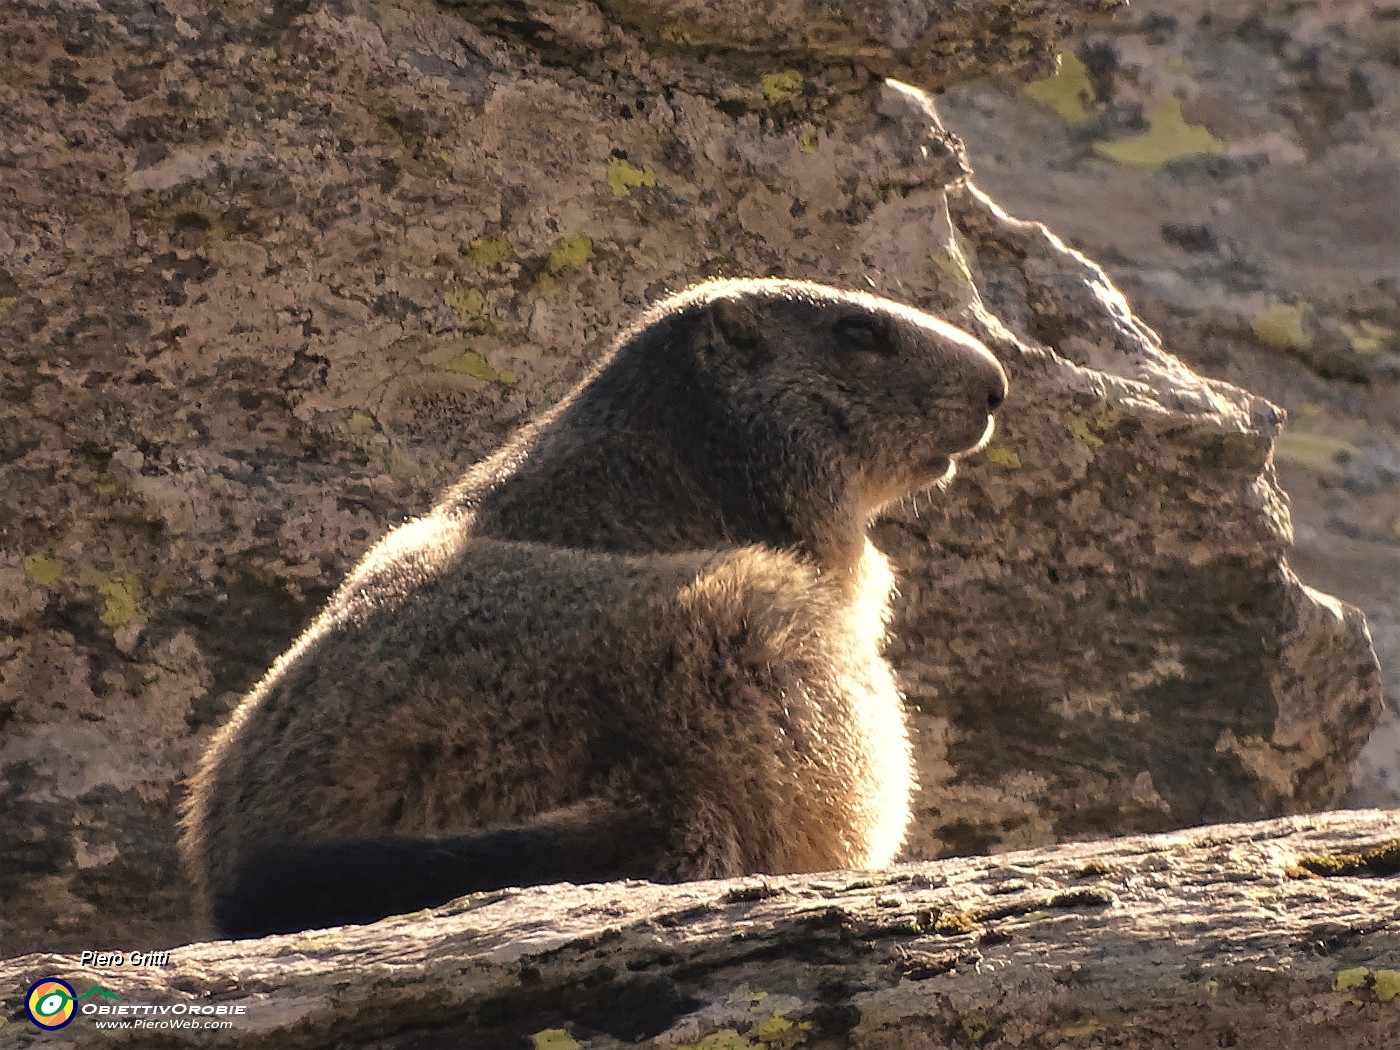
x,y
1283,326
1387,984
444,160
569,253
1068,92
1309,410
1002,456
780,1032
976,1026
472,309
1381,859
1093,429
1349,979
954,922
687,36
807,140
362,422
623,177
489,252
1368,338
44,569
952,264
178,432
470,363
554,1039
1314,451
1086,1029
781,87
121,598
1168,138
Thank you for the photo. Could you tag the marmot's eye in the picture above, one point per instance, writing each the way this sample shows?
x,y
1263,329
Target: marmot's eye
x,y
859,332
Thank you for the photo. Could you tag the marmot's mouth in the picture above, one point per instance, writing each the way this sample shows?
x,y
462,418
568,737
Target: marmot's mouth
x,y
984,440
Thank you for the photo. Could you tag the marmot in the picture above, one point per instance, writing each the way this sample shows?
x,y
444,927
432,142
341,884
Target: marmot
x,y
643,639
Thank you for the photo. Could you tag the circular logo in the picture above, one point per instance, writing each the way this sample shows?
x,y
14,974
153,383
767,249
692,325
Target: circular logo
x,y
50,1003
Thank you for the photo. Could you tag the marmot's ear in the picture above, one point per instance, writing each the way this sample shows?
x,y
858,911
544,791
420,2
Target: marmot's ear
x,y
735,325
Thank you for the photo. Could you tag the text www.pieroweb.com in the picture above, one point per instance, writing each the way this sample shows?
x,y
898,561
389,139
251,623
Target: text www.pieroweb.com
x,y
150,1017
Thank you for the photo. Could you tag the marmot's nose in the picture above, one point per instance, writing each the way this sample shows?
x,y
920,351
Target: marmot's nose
x,y
997,394
997,386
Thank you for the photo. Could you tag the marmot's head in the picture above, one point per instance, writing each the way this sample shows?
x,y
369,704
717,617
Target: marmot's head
x,y
886,394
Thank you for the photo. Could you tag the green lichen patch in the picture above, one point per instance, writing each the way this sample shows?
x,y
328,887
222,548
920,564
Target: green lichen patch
x,y
781,87
44,569
1094,428
808,141
1381,859
781,1032
1310,410
1384,984
176,432
976,1026
1168,138
554,1039
362,422
1354,977
103,487
624,177
443,160
1387,984
1089,1028
1083,898
952,264
1283,326
1313,451
569,253
121,597
1002,456
470,363
951,923
489,253
1069,92
1368,338
472,309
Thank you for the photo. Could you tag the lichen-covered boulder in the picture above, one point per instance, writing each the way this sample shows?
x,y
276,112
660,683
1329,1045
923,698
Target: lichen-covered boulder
x,y
270,276
1251,152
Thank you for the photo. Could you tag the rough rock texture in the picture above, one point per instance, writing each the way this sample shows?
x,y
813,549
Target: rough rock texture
x,y
1263,243
271,275
1284,934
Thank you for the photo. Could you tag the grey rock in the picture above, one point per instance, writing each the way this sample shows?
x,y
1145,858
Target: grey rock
x,y
269,278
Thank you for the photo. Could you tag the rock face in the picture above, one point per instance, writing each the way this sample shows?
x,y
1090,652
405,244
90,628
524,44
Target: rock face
x,y
271,276
1276,934
1252,150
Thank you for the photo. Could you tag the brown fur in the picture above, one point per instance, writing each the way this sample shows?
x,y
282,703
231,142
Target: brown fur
x,y
659,596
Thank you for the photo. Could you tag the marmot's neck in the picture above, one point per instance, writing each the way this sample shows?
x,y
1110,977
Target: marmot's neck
x,y
667,472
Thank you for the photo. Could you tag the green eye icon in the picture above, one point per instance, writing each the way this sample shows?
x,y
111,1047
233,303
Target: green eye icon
x,y
50,1003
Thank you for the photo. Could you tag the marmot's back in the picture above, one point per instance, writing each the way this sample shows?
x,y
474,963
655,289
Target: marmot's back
x,y
641,640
